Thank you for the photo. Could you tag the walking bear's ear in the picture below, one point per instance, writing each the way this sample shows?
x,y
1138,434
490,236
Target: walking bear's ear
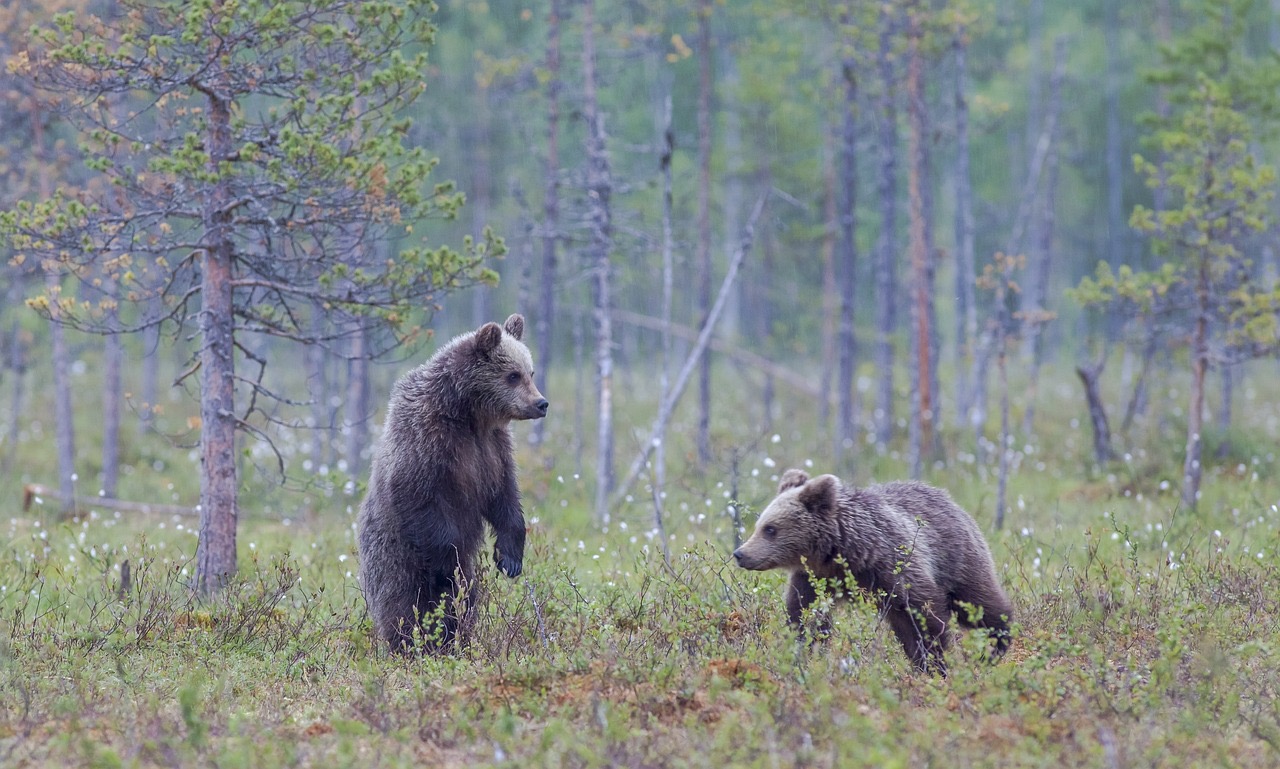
x,y
792,478
515,325
819,495
488,337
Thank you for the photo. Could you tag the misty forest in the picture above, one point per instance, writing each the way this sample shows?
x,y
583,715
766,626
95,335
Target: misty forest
x,y
1025,251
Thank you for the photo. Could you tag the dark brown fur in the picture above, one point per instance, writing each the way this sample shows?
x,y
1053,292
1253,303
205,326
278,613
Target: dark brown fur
x,y
906,543
443,468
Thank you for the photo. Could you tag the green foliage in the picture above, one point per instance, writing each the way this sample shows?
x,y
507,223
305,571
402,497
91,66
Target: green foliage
x,y
310,171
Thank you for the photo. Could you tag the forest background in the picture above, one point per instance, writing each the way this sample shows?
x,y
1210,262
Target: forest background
x,y
1019,249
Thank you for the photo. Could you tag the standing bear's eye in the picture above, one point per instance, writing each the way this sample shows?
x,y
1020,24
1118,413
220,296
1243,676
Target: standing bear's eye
x,y
514,377
770,531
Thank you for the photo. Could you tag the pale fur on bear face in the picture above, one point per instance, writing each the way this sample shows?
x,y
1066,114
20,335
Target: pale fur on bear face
x,y
503,387
797,528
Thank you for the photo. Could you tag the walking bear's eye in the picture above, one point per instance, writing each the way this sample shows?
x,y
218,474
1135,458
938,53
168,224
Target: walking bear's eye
x,y
513,377
769,531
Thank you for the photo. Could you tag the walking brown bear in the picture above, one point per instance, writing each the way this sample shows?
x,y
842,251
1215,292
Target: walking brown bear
x,y
443,468
905,543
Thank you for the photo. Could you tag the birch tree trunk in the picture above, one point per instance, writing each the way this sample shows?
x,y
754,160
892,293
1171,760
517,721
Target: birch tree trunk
x,y
1191,467
846,263
668,289
703,256
543,324
599,193
886,279
966,300
357,403
60,355
150,372
921,426
830,293
216,550
112,361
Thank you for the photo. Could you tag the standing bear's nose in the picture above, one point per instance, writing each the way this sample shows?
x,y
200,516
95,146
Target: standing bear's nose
x,y
737,555
542,406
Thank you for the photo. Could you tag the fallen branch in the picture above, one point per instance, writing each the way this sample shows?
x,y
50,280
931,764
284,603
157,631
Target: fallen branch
x,y
667,408
33,491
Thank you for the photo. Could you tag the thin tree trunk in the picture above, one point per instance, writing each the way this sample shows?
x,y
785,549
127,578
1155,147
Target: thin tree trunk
x,y
1117,226
704,222
846,263
966,301
150,373
18,367
830,293
60,355
599,192
886,279
1191,467
1138,400
216,550
1002,485
357,405
1090,375
1225,408
317,358
579,390
544,323
668,289
921,398
112,361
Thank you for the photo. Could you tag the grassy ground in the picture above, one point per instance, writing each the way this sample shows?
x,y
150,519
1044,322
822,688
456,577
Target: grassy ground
x,y
1148,636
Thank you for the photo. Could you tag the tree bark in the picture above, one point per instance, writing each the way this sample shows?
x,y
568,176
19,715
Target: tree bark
x,y
1191,467
830,293
112,360
966,301
318,391
921,427
1090,376
544,323
150,373
704,222
357,405
599,192
17,364
846,264
886,279
668,289
60,355
216,550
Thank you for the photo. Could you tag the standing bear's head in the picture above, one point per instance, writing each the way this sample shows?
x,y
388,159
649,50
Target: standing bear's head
x,y
798,526
498,381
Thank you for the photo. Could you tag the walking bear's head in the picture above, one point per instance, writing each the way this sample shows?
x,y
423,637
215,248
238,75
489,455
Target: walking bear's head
x,y
798,526
500,379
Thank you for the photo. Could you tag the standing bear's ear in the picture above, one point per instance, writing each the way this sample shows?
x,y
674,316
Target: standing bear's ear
x,y
488,337
819,495
515,325
792,478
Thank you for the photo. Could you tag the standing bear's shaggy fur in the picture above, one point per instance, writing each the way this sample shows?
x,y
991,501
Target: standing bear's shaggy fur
x,y
443,468
905,544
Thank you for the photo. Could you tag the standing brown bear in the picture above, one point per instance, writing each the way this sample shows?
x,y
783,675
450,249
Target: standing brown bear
x,y
444,467
906,544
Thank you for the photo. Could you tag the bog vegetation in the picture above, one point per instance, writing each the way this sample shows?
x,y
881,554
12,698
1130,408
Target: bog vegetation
x,y
1146,635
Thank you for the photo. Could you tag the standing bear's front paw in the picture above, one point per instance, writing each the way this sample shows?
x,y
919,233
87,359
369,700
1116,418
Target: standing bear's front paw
x,y
507,564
